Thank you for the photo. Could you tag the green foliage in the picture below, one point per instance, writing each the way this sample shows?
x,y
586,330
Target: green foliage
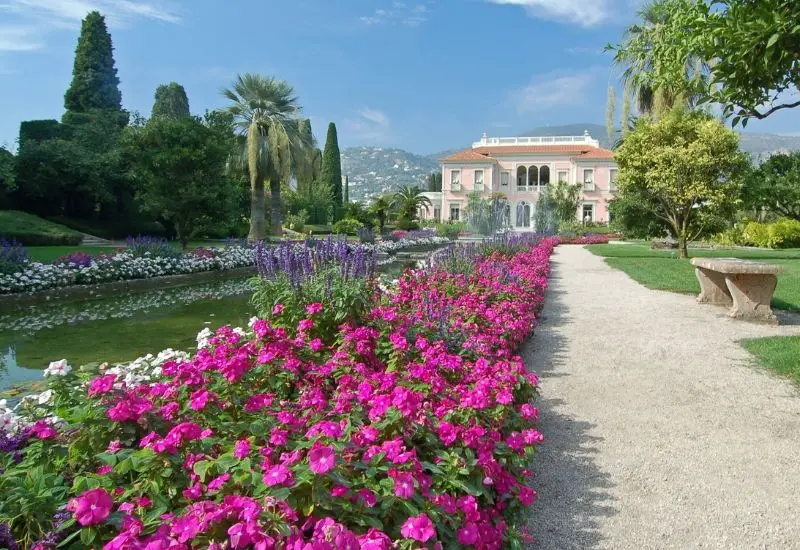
x,y
41,130
381,208
180,168
686,168
633,216
297,222
32,230
784,233
565,199
357,211
347,226
407,202
331,174
487,216
95,85
308,171
435,182
171,101
775,186
450,230
8,176
749,49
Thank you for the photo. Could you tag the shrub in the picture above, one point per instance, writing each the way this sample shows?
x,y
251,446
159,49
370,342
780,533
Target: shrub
x,y
784,233
366,236
406,224
584,239
347,226
450,230
13,256
415,426
297,222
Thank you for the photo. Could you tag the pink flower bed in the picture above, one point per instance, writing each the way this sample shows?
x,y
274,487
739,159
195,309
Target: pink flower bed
x,y
413,430
586,239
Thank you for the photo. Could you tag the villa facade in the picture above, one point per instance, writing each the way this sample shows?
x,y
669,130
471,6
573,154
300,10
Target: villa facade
x,y
521,168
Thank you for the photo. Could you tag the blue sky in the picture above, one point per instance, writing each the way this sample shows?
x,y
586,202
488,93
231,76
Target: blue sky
x,y
424,75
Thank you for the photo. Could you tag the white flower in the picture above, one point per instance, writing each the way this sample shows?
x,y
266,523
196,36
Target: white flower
x,y
45,397
202,337
57,368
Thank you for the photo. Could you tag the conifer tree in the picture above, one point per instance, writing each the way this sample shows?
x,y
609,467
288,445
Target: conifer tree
x,y
332,165
171,101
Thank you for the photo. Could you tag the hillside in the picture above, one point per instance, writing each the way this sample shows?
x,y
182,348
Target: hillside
x,y
376,170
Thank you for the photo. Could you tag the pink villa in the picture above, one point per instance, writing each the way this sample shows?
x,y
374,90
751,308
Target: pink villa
x,y
520,168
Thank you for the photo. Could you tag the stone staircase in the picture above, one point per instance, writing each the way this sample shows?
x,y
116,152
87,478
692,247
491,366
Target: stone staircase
x,y
91,240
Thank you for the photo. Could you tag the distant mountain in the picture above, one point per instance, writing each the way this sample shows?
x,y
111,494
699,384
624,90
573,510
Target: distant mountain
x,y
377,170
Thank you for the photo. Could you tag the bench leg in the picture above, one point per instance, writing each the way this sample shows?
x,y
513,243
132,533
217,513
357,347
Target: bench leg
x,y
713,289
752,295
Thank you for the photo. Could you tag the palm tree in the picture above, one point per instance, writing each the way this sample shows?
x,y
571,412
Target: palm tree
x,y
381,208
266,114
408,200
637,58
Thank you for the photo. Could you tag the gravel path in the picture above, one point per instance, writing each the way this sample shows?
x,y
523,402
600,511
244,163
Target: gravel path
x,y
660,431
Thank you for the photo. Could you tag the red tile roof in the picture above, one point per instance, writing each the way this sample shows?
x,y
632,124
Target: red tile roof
x,y
486,154
469,155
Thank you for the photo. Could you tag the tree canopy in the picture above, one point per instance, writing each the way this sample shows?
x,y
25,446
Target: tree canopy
x,y
180,169
95,85
171,101
686,167
775,186
750,53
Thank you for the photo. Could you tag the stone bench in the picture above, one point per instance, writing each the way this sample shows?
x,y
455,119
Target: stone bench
x,y
746,287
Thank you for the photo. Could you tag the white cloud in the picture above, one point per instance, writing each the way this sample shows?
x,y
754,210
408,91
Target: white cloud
x,y
370,126
586,13
554,89
19,38
399,13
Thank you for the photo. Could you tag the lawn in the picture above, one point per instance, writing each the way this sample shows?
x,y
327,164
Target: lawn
x,y
661,270
32,230
780,354
49,254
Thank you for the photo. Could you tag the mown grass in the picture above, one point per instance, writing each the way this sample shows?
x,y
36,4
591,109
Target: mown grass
x,y
780,354
29,229
661,270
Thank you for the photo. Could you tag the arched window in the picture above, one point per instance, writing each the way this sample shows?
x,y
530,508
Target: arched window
x,y
522,177
544,175
533,176
523,214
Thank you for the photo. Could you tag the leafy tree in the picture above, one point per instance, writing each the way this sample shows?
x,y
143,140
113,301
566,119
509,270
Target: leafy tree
x,y
687,167
633,214
635,56
346,189
486,216
95,85
7,176
180,167
332,165
407,201
309,170
171,101
775,186
266,114
565,199
381,208
750,50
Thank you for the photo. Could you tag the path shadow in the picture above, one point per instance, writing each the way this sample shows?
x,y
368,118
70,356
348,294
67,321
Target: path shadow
x,y
573,492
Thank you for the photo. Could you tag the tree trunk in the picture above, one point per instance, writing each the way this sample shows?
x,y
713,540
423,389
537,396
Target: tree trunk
x,y
257,209
683,251
183,237
275,217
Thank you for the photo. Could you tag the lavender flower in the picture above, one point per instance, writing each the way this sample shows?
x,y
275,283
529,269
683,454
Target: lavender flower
x,y
7,538
13,256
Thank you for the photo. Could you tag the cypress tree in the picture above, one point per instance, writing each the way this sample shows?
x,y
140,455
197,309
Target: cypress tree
x,y
95,84
332,165
346,189
171,101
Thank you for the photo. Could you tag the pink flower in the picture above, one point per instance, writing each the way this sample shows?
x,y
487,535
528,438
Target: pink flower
x,y
418,528
278,475
278,437
217,483
527,495
314,308
278,309
367,497
316,345
241,449
102,384
305,325
103,470
403,483
114,447
339,491
322,459
469,534
375,540
42,430
199,399
92,507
